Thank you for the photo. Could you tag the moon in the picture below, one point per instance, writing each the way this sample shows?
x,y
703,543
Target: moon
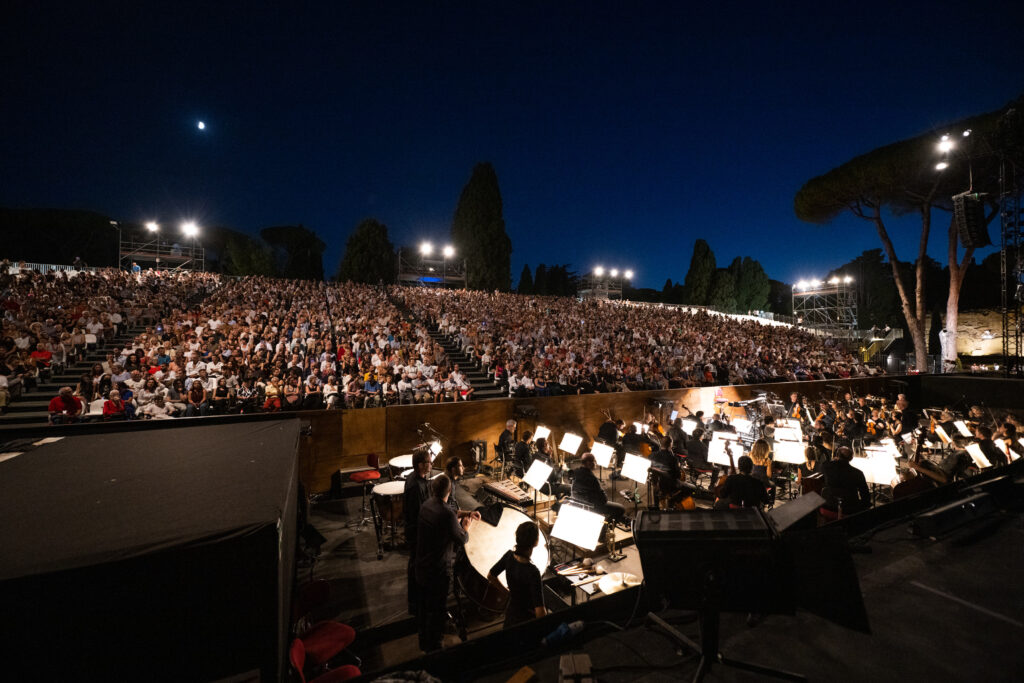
x,y
201,125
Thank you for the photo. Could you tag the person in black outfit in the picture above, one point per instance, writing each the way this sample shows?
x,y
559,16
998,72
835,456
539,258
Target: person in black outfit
x,y
587,489
554,485
678,436
742,489
665,464
844,482
507,441
454,468
522,455
697,455
438,534
525,592
632,442
416,492
609,433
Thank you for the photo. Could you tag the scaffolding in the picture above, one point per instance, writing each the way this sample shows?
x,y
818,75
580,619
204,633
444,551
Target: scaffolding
x,y
1011,266
593,286
151,250
415,268
830,305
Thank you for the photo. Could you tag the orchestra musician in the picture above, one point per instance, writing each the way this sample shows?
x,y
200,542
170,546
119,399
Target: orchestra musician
x,y
983,434
677,436
697,455
795,408
554,486
522,454
507,440
415,493
742,489
454,468
587,489
439,533
665,463
525,591
845,485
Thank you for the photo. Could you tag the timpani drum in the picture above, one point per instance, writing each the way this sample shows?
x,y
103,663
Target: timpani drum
x,y
486,545
387,504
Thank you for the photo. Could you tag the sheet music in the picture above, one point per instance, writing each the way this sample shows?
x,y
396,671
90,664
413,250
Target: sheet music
x,y
791,452
962,428
974,450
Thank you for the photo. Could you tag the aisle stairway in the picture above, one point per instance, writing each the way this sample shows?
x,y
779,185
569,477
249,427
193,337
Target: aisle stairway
x,y
31,407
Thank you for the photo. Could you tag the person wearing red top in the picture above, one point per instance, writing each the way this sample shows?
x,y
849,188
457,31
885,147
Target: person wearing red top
x,y
114,408
65,408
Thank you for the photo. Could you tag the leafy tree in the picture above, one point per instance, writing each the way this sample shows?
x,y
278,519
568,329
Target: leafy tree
x,y
752,286
722,294
525,281
877,300
561,281
369,255
478,232
780,297
697,284
298,251
243,255
901,179
540,280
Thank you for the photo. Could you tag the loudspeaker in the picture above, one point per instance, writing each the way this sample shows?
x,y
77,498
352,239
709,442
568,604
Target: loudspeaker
x,y
804,508
953,515
969,213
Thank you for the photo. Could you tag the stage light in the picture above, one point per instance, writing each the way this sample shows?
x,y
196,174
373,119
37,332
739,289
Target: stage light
x,y
426,249
201,125
435,448
946,144
542,432
847,279
967,133
599,271
190,229
449,251
987,334
628,274
152,226
834,281
941,166
614,272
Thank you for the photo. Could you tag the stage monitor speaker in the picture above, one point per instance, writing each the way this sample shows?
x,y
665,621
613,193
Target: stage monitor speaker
x,y
969,213
804,508
954,515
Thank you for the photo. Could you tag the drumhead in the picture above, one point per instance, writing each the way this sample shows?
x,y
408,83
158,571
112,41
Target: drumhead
x,y
389,488
402,462
487,544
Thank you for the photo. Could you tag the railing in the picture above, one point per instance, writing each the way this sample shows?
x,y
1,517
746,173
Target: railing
x,y
47,268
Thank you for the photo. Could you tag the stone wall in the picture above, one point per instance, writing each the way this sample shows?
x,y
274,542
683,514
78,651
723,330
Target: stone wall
x,y
972,330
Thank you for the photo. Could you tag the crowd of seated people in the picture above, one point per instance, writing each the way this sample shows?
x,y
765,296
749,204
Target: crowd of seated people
x,y
557,345
213,345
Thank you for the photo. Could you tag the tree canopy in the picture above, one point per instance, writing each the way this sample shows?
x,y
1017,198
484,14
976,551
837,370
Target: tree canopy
x,y
478,232
298,251
697,284
525,281
369,255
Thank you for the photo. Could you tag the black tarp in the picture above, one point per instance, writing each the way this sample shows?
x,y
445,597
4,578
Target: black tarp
x,y
153,555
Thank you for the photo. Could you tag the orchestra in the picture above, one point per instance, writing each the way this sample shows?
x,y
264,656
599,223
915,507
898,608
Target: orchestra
x,y
840,446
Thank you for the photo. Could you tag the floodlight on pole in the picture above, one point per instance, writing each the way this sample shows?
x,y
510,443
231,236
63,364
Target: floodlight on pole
x,y
834,281
152,226
449,251
628,275
967,133
426,249
599,271
945,144
614,272
847,279
941,166
190,229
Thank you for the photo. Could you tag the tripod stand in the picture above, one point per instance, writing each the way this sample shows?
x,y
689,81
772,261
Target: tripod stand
x,y
709,615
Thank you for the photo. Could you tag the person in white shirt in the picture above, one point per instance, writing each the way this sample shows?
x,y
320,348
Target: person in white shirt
x,y
405,392
158,409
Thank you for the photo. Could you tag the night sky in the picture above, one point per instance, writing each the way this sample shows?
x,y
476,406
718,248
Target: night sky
x,y
620,132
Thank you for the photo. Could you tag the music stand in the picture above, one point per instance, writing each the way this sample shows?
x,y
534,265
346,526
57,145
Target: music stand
x,y
570,443
541,433
602,453
689,426
980,461
790,452
536,477
578,526
962,428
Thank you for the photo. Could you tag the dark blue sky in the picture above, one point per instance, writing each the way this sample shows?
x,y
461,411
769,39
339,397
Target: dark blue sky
x,y
620,132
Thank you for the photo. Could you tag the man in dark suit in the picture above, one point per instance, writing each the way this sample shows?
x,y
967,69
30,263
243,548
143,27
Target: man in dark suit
x,y
844,482
665,465
697,454
678,436
439,534
416,492
587,489
522,456
507,441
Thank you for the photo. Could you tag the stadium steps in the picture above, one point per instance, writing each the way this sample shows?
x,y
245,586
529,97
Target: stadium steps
x,y
482,385
31,406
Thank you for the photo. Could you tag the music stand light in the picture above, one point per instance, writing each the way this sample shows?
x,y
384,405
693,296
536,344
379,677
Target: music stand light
x,y
980,461
541,433
580,527
790,452
536,476
635,467
570,443
602,453
673,415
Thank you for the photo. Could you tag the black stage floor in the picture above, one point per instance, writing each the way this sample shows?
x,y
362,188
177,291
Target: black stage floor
x,y
947,610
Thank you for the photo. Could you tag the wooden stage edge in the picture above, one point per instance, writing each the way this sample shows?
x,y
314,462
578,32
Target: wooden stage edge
x,y
341,440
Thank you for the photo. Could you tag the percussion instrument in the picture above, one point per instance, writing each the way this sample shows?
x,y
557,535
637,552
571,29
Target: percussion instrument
x,y
387,506
617,581
401,462
509,491
485,547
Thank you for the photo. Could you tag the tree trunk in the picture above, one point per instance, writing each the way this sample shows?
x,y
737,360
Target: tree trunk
x,y
915,319
957,271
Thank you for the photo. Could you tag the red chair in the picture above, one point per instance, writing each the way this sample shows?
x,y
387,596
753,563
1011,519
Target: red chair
x,y
297,656
325,640
830,515
366,478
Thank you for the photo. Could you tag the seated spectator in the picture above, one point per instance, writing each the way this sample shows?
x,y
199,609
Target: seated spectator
x,y
65,408
114,407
